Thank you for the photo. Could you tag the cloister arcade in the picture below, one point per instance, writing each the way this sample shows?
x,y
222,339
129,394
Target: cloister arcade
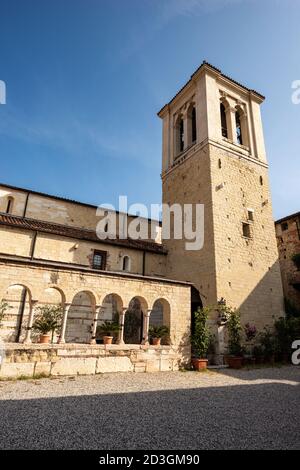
x,y
83,312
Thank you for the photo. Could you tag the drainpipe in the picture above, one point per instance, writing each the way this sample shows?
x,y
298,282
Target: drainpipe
x,y
33,243
144,263
26,204
22,308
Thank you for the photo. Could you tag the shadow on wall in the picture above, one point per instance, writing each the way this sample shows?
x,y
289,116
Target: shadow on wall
x,y
265,302
258,416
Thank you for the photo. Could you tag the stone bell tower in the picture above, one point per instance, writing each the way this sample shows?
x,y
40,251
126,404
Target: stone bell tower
x,y
214,154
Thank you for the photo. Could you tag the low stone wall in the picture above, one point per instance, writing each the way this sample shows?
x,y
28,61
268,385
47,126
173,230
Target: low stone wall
x,y
73,359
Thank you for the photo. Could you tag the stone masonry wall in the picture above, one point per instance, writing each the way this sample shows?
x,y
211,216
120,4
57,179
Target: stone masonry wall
x,y
248,272
288,240
61,360
67,283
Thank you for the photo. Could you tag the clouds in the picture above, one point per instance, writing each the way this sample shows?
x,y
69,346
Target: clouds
x,y
171,9
79,138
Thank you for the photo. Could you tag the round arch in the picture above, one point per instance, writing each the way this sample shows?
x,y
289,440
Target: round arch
x,y
134,319
161,315
196,303
18,298
81,314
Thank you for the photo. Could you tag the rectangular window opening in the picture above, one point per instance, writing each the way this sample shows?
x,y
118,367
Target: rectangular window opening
x,y
247,230
99,260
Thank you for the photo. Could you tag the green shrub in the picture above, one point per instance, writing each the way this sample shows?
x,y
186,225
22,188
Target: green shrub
x,y
268,343
107,328
234,333
291,309
201,339
296,259
48,319
287,330
158,331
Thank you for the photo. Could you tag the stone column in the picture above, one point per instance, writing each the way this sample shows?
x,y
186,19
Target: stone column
x,y
186,129
62,335
27,339
244,129
231,123
146,327
121,324
94,324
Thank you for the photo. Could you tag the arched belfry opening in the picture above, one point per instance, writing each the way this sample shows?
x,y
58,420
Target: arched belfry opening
x,y
196,302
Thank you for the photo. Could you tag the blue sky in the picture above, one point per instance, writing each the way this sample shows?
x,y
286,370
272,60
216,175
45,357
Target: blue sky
x,y
85,79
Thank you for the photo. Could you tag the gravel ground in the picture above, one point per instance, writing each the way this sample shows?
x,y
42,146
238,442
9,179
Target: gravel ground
x,y
247,409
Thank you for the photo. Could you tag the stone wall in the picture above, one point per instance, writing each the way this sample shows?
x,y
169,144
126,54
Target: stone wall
x,y
288,240
50,247
53,285
231,179
61,360
248,271
60,211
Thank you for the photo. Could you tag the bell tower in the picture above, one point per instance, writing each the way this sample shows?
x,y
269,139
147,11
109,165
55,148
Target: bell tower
x,y
213,153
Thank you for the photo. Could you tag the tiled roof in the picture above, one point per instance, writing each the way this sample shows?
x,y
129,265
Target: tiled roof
x,y
77,232
65,199
216,70
287,217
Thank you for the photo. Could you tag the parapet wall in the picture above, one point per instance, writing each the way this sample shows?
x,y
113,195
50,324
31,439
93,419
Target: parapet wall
x,y
33,360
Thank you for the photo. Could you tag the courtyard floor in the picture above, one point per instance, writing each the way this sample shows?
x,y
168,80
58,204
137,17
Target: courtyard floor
x,y
225,409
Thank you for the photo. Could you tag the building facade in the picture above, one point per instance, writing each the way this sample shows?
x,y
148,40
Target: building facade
x,y
213,154
288,240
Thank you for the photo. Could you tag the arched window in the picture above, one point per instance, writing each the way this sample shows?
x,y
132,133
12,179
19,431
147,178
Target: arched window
x,y
239,136
179,136
9,207
126,263
224,129
194,125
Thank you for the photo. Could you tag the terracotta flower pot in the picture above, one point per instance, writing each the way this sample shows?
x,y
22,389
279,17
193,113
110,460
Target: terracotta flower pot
x,y
107,339
235,362
44,339
156,341
199,364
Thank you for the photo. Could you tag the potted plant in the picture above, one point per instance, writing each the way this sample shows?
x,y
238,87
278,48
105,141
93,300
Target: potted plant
x,y
269,345
156,334
296,260
250,334
201,338
235,358
47,322
106,330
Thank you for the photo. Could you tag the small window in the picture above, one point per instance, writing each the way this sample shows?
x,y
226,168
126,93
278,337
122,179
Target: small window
x,y
126,263
99,260
284,226
251,215
246,230
10,202
261,180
